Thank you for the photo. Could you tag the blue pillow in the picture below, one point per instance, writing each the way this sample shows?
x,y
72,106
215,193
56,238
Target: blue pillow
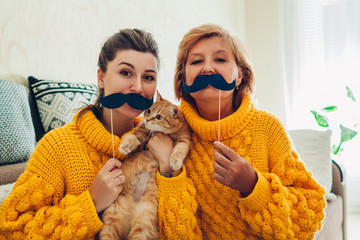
x,y
17,140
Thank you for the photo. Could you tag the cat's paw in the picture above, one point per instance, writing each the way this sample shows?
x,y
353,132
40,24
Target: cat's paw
x,y
176,160
129,143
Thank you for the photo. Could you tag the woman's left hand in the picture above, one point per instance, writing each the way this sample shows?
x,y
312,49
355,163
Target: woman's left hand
x,y
232,170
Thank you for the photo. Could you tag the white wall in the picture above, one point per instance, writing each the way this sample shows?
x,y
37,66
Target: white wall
x,y
61,39
263,42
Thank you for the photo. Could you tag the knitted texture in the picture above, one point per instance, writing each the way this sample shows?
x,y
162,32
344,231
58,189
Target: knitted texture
x,y
286,203
51,199
17,140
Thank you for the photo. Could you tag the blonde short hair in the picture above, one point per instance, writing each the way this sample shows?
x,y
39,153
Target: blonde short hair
x,y
237,48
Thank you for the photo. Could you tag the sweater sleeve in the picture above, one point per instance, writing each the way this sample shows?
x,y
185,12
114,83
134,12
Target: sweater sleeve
x,y
38,209
177,208
287,202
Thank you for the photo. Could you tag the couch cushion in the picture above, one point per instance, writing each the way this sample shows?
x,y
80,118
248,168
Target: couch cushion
x,y
313,147
332,225
5,191
57,102
10,173
39,132
17,140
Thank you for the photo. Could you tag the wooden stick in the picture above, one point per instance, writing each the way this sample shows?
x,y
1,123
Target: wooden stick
x,y
219,116
112,133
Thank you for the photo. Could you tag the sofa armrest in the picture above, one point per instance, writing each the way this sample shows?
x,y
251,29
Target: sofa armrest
x,y
339,188
338,173
10,173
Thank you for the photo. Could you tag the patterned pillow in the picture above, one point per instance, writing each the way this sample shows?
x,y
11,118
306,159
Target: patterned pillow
x,y
17,141
57,102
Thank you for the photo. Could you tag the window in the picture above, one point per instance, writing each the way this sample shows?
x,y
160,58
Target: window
x,y
321,53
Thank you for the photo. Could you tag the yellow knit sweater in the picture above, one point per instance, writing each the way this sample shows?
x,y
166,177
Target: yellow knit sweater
x,y
51,199
286,203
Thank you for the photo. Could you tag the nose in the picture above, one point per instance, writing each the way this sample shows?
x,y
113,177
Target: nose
x,y
136,85
207,68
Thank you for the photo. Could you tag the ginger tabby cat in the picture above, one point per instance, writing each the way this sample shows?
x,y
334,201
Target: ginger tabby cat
x,y
133,215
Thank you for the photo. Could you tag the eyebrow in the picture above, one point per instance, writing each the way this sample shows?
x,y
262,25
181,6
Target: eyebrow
x,y
133,67
217,52
128,64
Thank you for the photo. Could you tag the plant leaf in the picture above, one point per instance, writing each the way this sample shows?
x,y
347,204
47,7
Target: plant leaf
x,y
350,94
336,150
330,108
320,119
347,134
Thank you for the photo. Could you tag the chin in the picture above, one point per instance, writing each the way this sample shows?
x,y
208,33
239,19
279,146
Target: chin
x,y
129,111
210,94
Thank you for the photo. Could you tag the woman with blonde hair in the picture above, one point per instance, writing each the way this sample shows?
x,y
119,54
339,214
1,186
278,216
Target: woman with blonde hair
x,y
242,178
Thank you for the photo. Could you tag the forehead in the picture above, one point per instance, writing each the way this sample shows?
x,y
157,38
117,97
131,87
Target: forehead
x,y
211,44
136,58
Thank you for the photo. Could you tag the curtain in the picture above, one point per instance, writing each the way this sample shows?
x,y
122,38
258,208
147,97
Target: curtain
x,y
320,58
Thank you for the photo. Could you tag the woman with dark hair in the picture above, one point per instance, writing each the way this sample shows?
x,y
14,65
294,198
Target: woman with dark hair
x,y
74,172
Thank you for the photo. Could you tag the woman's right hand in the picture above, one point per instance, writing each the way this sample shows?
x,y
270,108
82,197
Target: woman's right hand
x,y
161,145
107,184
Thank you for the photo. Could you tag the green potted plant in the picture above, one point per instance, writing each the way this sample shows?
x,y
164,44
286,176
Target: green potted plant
x,y
346,133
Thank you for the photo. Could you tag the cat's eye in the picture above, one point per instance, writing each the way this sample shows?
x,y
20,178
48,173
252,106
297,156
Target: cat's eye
x,y
159,117
148,111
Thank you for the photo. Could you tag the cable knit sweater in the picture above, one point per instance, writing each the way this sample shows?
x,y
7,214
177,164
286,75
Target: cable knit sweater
x,y
51,199
286,203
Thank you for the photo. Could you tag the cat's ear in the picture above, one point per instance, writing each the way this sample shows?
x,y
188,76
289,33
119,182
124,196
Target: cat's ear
x,y
174,111
158,96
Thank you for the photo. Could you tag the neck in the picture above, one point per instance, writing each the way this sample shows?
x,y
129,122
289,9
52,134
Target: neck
x,y
210,109
121,124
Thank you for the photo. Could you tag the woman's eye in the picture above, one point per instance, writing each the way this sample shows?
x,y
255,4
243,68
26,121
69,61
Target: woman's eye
x,y
149,78
159,117
195,62
220,60
125,73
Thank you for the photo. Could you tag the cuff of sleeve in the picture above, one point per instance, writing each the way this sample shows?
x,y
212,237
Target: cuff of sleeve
x,y
168,185
260,196
90,216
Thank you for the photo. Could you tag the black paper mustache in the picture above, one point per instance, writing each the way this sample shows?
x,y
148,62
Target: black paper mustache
x,y
215,80
134,100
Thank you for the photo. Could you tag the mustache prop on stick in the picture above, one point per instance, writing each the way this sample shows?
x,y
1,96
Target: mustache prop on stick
x,y
134,100
116,100
215,80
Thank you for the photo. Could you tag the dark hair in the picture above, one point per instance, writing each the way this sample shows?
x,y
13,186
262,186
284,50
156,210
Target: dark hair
x,y
125,39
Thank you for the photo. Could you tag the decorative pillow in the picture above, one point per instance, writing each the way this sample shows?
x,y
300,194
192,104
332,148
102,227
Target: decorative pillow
x,y
313,147
5,191
17,140
57,102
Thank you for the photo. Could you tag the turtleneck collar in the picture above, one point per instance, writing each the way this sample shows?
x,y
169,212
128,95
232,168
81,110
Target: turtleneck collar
x,y
229,126
98,137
